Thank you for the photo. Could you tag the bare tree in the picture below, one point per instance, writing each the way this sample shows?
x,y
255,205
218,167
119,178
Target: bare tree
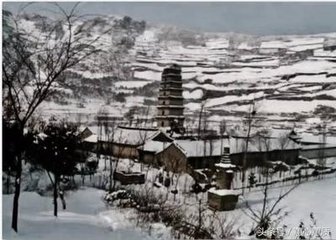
x,y
283,140
120,143
270,213
32,66
222,130
109,127
200,116
249,121
205,224
174,164
323,133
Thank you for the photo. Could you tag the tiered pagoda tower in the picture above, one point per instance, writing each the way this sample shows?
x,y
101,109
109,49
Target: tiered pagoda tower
x,y
170,108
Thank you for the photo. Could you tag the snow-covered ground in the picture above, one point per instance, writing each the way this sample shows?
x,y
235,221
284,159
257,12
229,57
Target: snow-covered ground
x,y
86,217
318,197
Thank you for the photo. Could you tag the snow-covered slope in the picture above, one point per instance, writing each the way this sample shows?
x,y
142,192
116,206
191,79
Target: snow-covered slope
x,y
86,217
285,75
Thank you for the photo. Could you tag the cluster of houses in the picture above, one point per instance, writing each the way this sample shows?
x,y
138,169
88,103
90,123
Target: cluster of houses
x,y
169,146
157,148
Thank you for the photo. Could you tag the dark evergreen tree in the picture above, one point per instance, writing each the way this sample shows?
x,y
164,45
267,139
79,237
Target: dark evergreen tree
x,y
252,179
58,150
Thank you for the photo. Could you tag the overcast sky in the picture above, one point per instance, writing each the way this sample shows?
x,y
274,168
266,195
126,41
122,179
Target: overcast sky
x,y
261,18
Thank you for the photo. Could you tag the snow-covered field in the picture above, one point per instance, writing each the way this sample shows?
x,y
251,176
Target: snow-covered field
x,y
85,218
294,73
317,197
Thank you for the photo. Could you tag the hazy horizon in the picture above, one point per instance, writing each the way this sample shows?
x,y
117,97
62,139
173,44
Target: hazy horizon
x,y
258,18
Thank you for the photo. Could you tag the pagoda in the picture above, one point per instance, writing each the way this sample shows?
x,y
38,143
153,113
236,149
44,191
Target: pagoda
x,y
170,108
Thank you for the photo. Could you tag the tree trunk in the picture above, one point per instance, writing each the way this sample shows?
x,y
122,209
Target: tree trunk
x,y
245,154
111,171
55,195
8,182
61,194
15,212
199,122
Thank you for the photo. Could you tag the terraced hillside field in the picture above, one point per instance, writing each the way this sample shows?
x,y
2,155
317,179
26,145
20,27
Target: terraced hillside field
x,y
291,78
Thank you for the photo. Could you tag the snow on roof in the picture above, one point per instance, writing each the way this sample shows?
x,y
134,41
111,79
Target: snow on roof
x,y
92,139
266,63
322,53
304,41
131,84
272,44
223,192
225,165
280,133
168,138
313,79
217,43
306,137
133,136
306,47
202,148
154,146
148,75
245,46
261,144
81,128
196,94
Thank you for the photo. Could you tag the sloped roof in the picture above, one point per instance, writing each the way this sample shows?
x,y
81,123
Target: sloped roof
x,y
92,139
261,144
245,46
128,135
133,136
224,192
161,136
272,45
154,146
310,138
201,148
190,148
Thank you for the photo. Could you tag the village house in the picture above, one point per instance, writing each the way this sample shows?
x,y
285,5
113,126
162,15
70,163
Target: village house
x,y
180,155
329,45
272,47
315,147
261,148
156,148
123,142
247,48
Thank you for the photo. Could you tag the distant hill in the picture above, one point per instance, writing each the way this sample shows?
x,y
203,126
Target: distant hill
x,y
288,76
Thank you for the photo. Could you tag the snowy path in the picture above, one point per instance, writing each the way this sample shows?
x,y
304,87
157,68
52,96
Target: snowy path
x,y
86,217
